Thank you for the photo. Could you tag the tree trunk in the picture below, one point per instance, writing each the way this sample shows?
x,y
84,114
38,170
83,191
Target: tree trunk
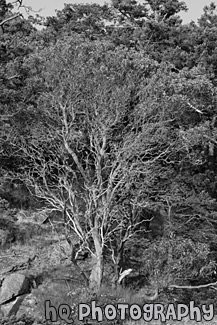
x,y
96,273
97,264
115,283
118,265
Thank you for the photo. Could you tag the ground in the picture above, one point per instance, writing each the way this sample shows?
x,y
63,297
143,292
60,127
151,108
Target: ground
x,y
56,278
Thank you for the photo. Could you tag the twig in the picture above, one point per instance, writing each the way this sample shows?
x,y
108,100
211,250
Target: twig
x,y
194,287
124,274
212,140
14,255
214,288
194,108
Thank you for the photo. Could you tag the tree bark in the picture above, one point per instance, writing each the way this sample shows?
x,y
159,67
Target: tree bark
x,y
96,275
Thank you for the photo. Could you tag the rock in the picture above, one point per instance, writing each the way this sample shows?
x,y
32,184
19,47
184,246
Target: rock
x,y
20,265
39,218
12,307
13,285
36,217
28,306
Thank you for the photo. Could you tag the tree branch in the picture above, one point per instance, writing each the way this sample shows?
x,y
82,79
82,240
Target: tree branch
x,y
194,287
10,18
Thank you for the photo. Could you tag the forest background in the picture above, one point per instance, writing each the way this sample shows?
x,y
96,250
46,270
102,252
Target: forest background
x,y
108,119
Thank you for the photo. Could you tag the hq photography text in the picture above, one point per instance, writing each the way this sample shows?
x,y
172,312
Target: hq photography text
x,y
147,312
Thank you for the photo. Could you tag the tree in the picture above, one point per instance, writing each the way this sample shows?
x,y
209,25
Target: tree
x,y
91,154
209,16
15,39
110,137
88,20
157,10
110,140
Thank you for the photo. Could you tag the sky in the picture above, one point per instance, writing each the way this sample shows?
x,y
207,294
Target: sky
x,y
48,6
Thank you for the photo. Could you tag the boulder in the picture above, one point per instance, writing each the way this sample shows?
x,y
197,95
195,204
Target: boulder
x,y
28,306
12,307
13,285
31,218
